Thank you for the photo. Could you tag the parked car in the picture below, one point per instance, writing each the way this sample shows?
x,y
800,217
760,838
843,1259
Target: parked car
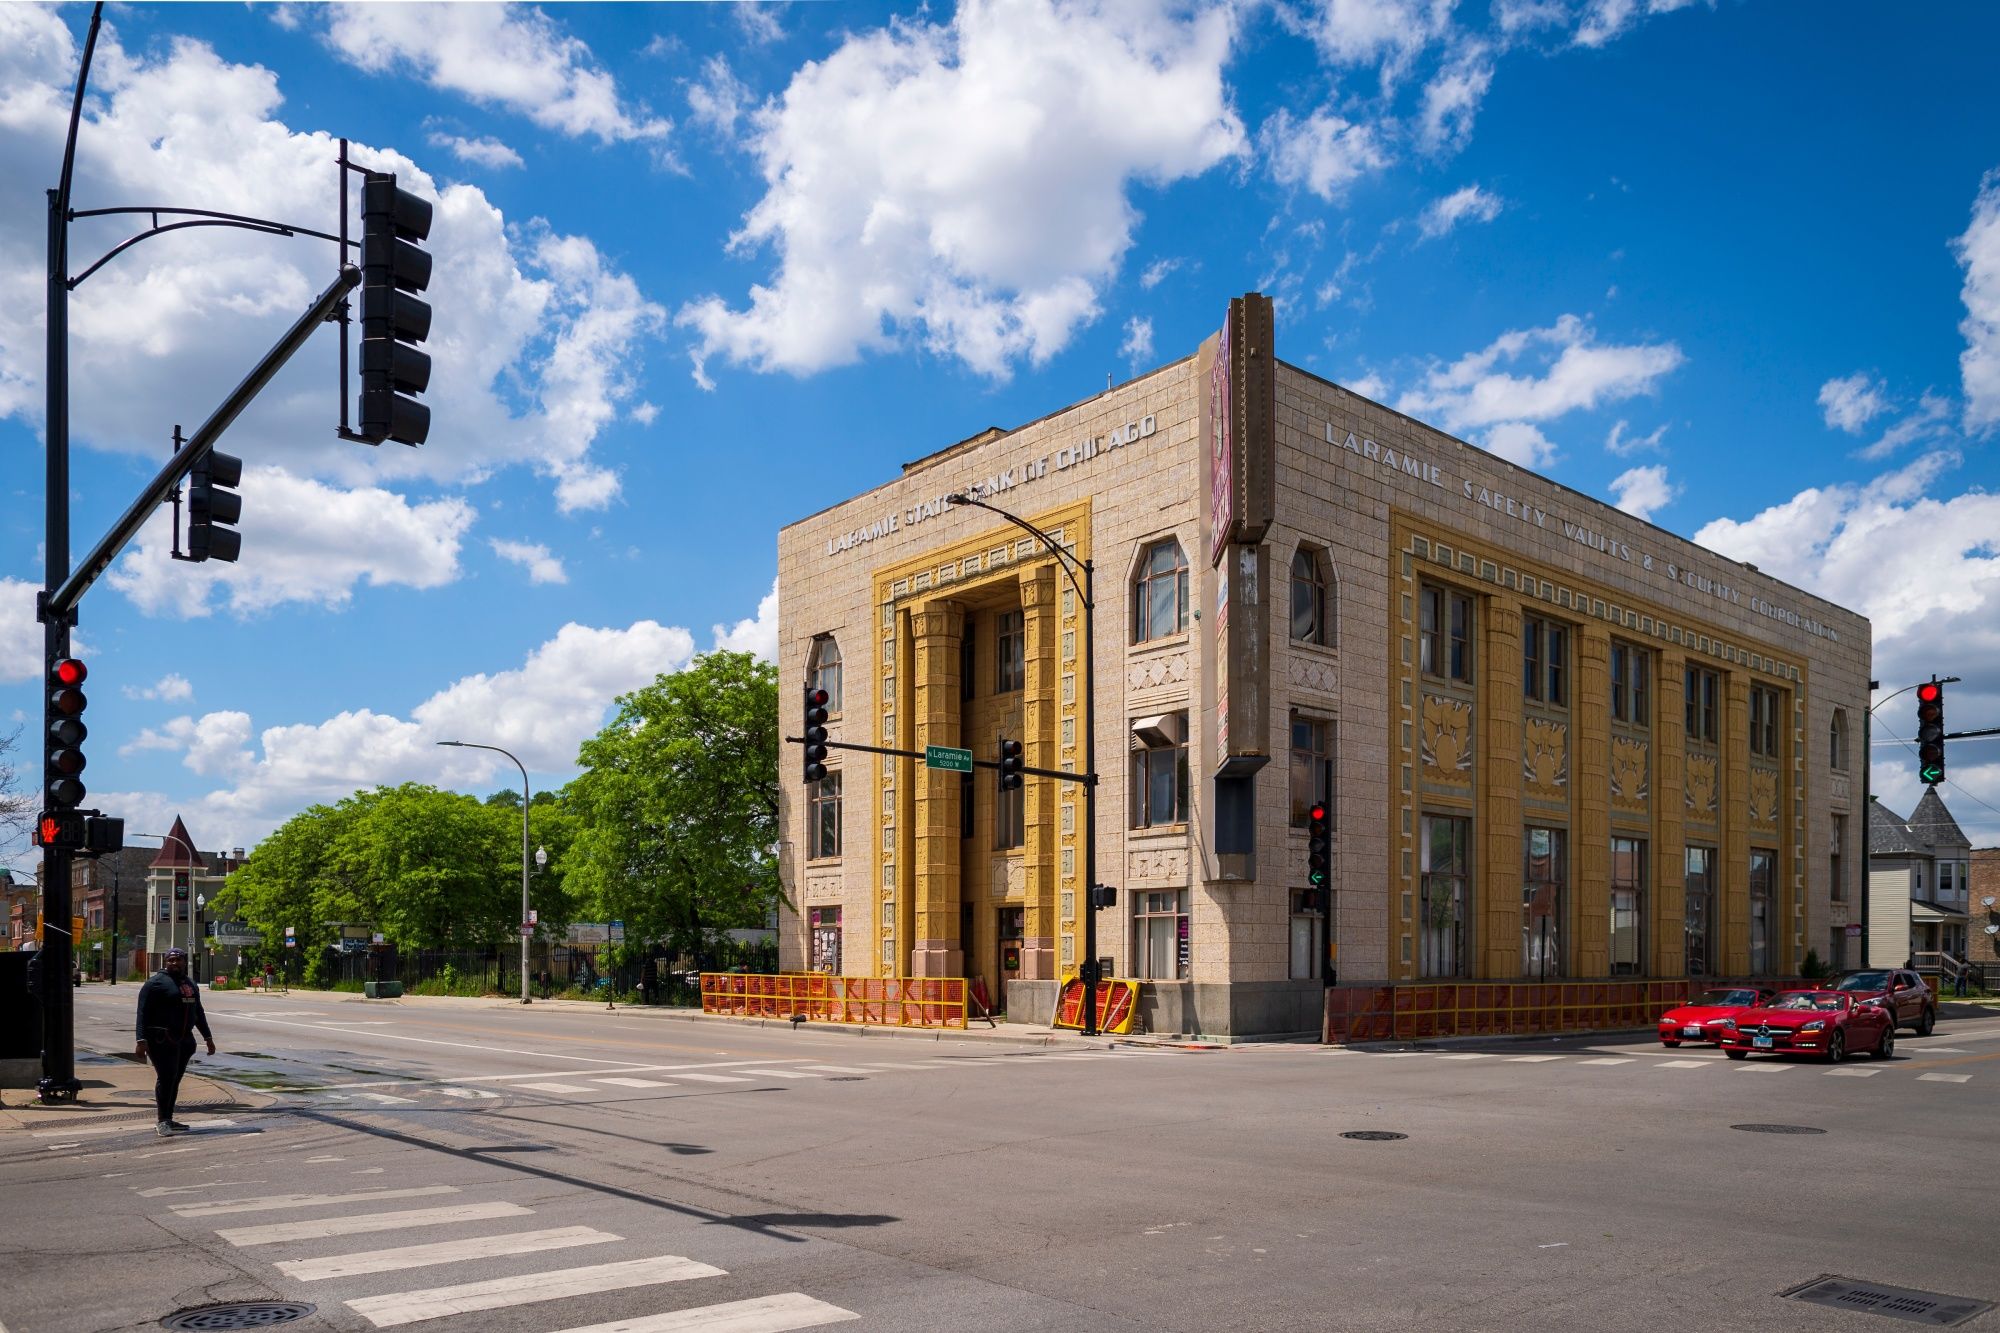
x,y
1903,992
1700,1018
1826,1023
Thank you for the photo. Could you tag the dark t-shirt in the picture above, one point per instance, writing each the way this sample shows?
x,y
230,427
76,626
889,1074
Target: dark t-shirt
x,y
171,1009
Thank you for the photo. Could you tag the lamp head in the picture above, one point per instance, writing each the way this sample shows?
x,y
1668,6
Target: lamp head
x,y
958,498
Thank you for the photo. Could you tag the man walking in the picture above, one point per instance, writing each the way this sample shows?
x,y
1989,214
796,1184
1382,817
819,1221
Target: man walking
x,y
169,1015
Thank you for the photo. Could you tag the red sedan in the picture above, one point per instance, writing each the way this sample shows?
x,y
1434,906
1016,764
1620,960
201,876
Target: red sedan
x,y
1826,1023
1700,1019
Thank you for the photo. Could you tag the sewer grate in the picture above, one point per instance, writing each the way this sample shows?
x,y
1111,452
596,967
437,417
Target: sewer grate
x,y
1905,1303
1778,1129
1373,1135
239,1314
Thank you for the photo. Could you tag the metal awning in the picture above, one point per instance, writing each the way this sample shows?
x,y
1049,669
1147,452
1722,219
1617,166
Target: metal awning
x,y
1921,911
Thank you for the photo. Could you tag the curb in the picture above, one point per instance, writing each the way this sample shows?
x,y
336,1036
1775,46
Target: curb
x,y
119,1088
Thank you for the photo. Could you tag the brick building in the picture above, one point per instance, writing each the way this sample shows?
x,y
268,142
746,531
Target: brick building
x,y
1558,743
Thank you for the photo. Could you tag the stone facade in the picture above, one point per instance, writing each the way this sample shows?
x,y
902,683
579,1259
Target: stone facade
x,y
1397,518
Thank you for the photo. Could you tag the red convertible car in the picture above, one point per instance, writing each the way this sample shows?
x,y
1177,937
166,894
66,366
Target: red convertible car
x,y
1700,1019
1826,1023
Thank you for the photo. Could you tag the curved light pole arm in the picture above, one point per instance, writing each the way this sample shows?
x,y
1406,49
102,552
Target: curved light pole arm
x,y
473,745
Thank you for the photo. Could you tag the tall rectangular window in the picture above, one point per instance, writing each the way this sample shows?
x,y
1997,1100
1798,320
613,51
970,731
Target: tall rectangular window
x,y
1447,897
1160,598
1161,944
1009,817
824,922
1764,704
1308,933
1628,907
1544,880
1631,672
1010,662
1312,767
823,817
1698,915
1544,648
1703,689
1445,633
1835,877
1763,872
825,670
1160,782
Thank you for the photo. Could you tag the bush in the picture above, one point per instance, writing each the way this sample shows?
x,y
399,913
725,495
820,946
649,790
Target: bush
x,y
347,987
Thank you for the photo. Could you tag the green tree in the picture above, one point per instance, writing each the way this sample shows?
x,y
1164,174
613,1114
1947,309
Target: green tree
x,y
443,869
677,807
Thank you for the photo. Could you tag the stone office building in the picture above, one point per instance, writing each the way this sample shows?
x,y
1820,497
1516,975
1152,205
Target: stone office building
x,y
1557,742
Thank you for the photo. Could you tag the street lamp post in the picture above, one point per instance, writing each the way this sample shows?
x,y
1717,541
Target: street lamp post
x,y
194,929
1070,565
474,745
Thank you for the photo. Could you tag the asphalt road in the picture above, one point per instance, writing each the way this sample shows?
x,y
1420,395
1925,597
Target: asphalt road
x,y
558,1168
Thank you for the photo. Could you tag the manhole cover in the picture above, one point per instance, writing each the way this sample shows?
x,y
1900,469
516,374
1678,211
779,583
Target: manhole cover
x,y
1778,1129
1373,1135
1912,1307
239,1314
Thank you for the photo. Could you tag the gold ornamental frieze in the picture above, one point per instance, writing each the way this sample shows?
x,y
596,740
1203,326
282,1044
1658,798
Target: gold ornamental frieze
x,y
1545,757
1447,740
1630,787
1704,785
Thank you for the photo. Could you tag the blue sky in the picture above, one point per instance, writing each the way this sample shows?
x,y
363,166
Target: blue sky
x,y
705,269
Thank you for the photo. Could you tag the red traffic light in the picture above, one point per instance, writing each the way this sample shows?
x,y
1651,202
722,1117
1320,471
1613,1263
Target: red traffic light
x,y
1928,692
70,671
51,830
1318,812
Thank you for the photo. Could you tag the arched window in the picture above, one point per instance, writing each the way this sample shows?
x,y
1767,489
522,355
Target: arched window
x,y
1837,741
823,670
1311,605
1160,598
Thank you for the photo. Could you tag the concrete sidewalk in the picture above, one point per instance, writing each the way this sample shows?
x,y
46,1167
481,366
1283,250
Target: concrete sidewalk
x,y
118,1091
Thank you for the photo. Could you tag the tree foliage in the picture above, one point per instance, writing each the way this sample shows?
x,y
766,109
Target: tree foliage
x,y
677,807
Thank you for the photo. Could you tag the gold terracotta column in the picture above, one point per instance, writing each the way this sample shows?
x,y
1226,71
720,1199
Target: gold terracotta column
x,y
1732,889
936,629
1041,706
1668,927
1590,804
1498,827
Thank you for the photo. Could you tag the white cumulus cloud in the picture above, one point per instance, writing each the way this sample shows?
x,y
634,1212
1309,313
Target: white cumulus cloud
x,y
1576,373
1470,204
484,151
966,185
172,687
1519,442
1324,152
1978,250
1643,491
1851,402
533,557
1624,446
759,634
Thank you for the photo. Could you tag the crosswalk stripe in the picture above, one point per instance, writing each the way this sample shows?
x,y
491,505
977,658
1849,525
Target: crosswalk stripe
x,y
918,1064
274,1201
634,1082
1944,1050
766,1314
1469,1055
386,1099
1944,1078
1684,1064
781,1073
553,1087
407,1307
1746,1067
837,1069
442,1252
271,1233
1854,1073
713,1078
1607,1060
1530,1059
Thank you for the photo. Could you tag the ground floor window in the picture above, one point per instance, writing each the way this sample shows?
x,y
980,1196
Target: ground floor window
x,y
1628,907
1698,916
1162,946
1446,892
825,925
1544,873
1308,933
823,817
1763,868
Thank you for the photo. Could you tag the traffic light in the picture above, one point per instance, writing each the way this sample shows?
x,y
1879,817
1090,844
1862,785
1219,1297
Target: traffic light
x,y
213,507
59,828
392,320
1010,764
1930,732
65,790
1103,895
1319,845
815,737
102,834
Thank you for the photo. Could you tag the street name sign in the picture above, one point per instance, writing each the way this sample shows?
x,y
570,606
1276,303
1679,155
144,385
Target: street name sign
x,y
948,758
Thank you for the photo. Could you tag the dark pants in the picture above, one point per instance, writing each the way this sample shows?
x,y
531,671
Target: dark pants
x,y
170,1061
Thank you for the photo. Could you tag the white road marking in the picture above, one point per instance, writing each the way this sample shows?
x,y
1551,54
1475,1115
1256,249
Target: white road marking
x,y
1943,1050
327,1158
1607,1060
781,1073
358,1023
837,1069
942,1064
715,1078
610,1067
766,1314
1944,1078
1684,1064
273,1233
470,1094
634,1082
160,1190
553,1087
1760,1068
1530,1059
272,1202
442,1252
82,1130
1469,1055
407,1307
1851,1072
384,1099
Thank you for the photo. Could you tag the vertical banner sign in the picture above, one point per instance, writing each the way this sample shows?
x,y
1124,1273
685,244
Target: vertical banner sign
x,y
1222,442
1242,394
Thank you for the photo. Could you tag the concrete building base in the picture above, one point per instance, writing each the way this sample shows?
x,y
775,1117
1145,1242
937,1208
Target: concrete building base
x,y
1245,1011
